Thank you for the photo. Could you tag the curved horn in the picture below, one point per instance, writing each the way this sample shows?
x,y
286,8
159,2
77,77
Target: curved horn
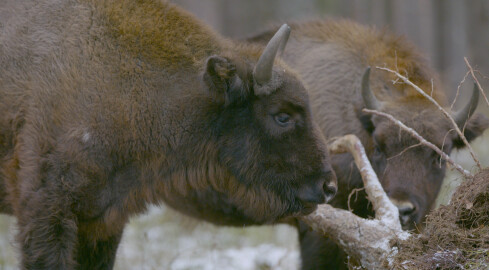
x,y
466,112
263,69
369,99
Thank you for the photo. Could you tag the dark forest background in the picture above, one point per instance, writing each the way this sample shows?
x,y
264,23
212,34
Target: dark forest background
x,y
445,30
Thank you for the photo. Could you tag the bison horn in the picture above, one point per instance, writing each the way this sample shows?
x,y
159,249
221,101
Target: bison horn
x,y
263,68
465,113
369,99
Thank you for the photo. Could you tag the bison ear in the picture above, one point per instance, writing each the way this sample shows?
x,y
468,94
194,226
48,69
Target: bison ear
x,y
221,78
366,120
367,123
473,128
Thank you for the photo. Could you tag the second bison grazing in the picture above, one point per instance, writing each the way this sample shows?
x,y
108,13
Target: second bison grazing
x,y
333,59
108,106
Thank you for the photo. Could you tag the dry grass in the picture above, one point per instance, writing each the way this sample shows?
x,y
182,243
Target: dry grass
x,y
456,236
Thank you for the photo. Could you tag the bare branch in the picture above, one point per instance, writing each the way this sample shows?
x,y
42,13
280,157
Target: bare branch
x,y
422,140
458,90
480,74
405,150
383,207
475,79
447,115
368,241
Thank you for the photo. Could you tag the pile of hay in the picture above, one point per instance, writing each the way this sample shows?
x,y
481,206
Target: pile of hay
x,y
456,236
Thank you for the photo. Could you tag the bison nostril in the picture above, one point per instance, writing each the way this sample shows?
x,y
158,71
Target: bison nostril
x,y
330,190
311,194
406,210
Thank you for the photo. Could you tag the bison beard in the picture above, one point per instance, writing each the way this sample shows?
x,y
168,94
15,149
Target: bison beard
x,y
332,58
107,106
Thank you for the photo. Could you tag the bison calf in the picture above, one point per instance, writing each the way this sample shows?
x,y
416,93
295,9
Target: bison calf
x,y
107,106
332,57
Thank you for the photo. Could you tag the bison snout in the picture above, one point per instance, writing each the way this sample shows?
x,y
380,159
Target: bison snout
x,y
321,191
407,213
330,190
312,194
330,186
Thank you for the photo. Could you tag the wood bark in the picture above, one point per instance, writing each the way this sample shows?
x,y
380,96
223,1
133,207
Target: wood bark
x,y
369,241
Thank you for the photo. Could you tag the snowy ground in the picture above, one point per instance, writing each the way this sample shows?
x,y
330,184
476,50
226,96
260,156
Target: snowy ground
x,y
453,178
7,252
183,244
162,239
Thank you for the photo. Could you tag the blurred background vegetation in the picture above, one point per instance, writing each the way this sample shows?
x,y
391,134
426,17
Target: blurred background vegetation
x,y
445,30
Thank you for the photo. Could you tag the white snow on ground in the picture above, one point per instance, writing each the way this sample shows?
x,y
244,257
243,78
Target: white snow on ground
x,y
264,256
453,179
8,259
163,239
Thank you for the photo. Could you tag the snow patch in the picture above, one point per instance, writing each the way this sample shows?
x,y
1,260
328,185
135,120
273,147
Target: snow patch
x,y
86,136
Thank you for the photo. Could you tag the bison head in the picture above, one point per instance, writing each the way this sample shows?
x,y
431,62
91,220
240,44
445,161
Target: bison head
x,y
410,173
266,138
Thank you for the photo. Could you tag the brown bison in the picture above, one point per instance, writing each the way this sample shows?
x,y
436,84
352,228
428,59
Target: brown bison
x,y
108,106
332,58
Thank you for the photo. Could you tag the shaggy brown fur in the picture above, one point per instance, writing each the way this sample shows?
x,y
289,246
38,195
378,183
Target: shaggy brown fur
x,y
331,57
107,106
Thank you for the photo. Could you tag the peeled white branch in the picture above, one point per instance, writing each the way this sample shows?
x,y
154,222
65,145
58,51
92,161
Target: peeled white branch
x,y
368,241
383,207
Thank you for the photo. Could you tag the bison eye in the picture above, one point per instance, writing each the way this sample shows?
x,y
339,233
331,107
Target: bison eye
x,y
283,119
377,152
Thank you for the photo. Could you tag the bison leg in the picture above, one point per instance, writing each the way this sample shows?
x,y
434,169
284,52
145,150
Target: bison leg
x,y
318,251
48,226
98,254
5,207
47,237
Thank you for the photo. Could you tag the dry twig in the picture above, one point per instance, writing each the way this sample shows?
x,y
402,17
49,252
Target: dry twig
x,y
354,191
458,90
381,204
422,140
475,79
447,115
